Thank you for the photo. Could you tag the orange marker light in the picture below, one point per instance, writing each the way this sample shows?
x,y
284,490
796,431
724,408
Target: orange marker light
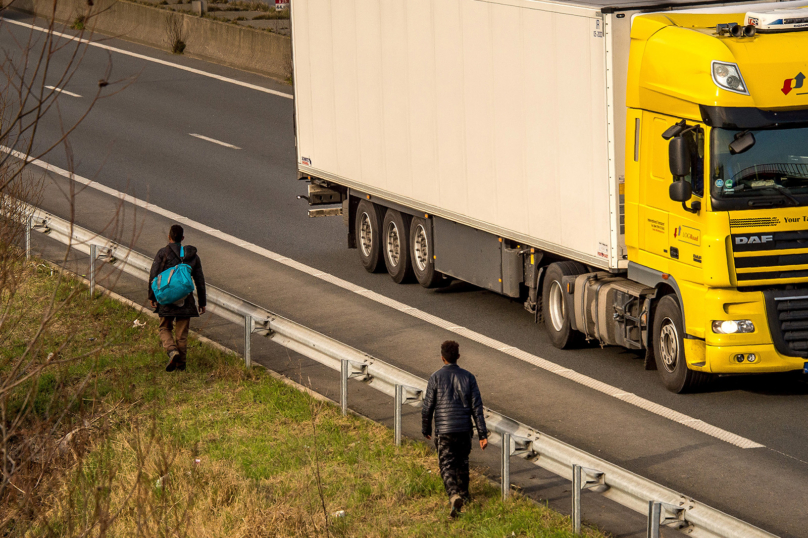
x,y
665,276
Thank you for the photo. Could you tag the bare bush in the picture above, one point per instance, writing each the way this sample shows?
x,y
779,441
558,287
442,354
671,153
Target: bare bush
x,y
175,32
46,423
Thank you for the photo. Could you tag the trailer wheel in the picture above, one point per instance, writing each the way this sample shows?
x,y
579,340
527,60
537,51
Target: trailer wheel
x,y
396,246
669,350
554,310
369,236
420,254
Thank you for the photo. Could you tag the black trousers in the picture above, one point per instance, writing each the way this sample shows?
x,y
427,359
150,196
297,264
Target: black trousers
x,y
453,458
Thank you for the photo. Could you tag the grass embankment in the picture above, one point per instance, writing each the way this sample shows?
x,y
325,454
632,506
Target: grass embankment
x,y
219,450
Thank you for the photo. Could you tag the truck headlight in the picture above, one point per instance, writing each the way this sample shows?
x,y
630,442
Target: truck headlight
x,y
728,77
733,326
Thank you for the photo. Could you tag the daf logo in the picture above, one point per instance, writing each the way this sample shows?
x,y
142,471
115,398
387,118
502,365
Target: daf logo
x,y
752,239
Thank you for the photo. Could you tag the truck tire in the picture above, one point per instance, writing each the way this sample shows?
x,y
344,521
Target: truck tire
x,y
369,236
669,350
396,246
420,253
554,311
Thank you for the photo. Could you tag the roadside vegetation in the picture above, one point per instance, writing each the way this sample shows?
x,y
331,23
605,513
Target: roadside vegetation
x,y
112,445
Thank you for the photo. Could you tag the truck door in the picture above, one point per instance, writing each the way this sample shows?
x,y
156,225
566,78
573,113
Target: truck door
x,y
671,230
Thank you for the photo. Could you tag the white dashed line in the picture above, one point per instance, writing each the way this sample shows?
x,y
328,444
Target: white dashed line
x,y
60,90
544,364
225,144
155,60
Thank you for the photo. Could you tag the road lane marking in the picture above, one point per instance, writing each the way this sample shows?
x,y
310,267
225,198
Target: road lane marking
x,y
571,375
60,90
225,144
154,60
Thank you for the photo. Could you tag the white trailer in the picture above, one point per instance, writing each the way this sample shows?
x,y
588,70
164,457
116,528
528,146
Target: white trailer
x,y
505,116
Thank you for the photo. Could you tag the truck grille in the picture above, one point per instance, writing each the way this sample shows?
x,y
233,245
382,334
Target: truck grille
x,y
770,257
787,311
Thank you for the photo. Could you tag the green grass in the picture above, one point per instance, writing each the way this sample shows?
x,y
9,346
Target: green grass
x,y
220,450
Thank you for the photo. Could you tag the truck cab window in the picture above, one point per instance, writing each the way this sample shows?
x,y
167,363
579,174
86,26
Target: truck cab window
x,y
695,141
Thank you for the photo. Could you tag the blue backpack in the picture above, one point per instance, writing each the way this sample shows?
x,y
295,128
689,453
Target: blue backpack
x,y
175,284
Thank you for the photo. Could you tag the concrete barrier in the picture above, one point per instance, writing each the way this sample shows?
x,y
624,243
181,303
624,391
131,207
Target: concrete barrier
x,y
236,46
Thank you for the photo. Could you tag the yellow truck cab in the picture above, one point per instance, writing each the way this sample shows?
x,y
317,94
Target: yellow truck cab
x,y
722,94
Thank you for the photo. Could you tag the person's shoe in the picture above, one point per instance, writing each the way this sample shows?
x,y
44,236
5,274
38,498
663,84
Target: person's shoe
x,y
172,365
457,505
181,366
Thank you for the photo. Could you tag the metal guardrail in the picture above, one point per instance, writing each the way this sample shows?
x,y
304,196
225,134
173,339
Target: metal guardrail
x,y
664,507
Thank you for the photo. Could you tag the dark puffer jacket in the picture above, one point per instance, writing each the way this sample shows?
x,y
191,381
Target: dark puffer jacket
x,y
453,397
168,257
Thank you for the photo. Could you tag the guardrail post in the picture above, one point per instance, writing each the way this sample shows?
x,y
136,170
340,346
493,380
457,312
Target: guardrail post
x,y
505,465
654,513
248,329
343,387
28,222
399,399
576,499
93,257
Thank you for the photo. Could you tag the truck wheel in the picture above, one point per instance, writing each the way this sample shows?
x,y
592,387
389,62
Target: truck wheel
x,y
420,254
669,350
396,245
369,236
554,310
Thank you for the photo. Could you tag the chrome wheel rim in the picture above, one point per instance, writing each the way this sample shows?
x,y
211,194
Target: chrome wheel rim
x,y
669,345
365,234
421,248
558,314
393,244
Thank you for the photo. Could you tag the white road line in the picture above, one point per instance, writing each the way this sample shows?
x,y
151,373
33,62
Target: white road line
x,y
544,364
154,60
60,90
225,144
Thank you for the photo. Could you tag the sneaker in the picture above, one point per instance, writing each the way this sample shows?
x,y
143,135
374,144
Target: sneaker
x,y
457,505
172,365
181,366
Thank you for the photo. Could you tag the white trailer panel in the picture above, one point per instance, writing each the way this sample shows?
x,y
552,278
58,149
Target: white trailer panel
x,y
491,113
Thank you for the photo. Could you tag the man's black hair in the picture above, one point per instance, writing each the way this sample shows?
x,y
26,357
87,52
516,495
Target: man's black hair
x,y
450,350
176,233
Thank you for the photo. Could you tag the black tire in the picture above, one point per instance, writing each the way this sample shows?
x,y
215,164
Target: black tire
x,y
556,318
669,349
369,236
396,246
421,255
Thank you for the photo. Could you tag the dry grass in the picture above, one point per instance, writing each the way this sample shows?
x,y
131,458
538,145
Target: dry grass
x,y
219,450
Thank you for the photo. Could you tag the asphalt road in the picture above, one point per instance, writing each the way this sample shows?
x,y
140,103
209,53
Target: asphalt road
x,y
139,141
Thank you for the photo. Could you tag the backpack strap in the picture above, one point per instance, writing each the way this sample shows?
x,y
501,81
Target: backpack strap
x,y
164,263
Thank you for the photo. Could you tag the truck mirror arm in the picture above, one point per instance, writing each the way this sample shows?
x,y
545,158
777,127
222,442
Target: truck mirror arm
x,y
695,207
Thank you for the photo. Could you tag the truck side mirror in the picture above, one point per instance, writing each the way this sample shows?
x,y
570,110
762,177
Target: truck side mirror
x,y
679,157
680,191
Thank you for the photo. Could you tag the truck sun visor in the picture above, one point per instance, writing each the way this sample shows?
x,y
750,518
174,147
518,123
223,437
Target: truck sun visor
x,y
752,118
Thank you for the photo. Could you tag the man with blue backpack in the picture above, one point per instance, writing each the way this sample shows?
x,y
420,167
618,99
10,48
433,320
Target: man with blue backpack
x,y
175,270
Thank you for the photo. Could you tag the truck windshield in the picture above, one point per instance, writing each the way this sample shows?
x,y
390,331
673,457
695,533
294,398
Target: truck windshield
x,y
772,172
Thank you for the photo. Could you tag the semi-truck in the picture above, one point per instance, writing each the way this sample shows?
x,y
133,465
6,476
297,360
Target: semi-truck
x,y
635,172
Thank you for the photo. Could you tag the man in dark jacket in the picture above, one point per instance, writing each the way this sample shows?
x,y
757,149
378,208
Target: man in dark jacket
x,y
453,398
175,319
